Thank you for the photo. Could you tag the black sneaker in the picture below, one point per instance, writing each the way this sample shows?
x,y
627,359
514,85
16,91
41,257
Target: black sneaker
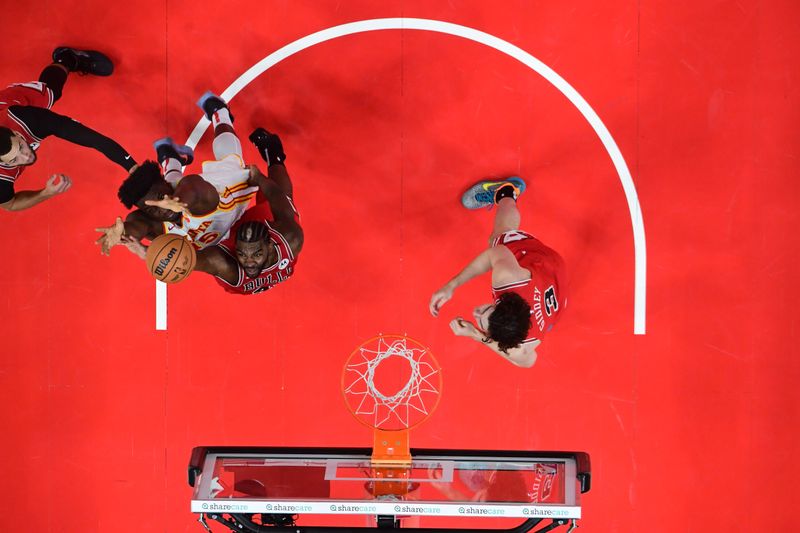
x,y
83,61
269,146
210,103
259,137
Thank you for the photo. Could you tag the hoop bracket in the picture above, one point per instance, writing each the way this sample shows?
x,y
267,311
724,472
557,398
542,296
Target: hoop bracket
x,y
391,448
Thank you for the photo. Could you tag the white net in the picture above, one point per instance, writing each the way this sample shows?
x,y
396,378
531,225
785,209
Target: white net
x,y
397,397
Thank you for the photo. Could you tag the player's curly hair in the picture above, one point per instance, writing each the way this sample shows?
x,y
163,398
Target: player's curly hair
x,y
510,321
139,182
5,140
252,231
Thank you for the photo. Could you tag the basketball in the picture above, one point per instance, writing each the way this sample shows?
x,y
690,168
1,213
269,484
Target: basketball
x,y
170,258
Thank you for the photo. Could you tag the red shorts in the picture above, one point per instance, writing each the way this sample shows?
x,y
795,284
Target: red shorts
x,y
33,93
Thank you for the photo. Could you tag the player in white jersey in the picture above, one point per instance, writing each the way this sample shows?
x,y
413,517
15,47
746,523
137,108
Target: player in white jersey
x,y
203,207
226,173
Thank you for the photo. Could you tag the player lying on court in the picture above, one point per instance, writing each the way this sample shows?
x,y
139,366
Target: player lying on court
x,y
528,280
26,119
202,207
264,244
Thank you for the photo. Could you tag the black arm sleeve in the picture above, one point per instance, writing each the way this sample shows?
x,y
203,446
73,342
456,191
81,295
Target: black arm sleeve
x,y
43,123
6,191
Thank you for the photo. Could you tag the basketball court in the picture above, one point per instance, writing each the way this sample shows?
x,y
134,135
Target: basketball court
x,y
658,142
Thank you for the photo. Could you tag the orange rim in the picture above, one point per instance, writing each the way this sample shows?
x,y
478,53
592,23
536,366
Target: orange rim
x,y
420,346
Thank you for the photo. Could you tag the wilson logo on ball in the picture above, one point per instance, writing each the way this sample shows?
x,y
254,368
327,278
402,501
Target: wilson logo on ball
x,y
165,262
170,258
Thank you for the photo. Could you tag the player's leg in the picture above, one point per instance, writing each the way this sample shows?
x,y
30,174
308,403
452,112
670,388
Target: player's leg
x,y
66,60
505,194
271,149
226,143
506,218
172,157
54,76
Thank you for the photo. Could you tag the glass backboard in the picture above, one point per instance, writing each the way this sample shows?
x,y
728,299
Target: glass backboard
x,y
437,483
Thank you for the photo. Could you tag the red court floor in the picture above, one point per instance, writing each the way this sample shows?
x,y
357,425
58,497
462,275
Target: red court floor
x,y
691,426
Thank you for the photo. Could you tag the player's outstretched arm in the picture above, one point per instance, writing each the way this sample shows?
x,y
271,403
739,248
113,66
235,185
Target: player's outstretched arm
x,y
498,259
134,246
480,265
523,356
137,225
140,226
44,123
19,200
278,202
212,260
285,218
173,203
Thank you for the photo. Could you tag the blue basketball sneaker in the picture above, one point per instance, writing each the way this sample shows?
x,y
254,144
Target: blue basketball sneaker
x,y
210,103
482,193
166,148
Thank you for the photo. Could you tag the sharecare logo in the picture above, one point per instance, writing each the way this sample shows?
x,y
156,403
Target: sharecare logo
x,y
342,508
481,511
541,511
223,507
417,509
287,508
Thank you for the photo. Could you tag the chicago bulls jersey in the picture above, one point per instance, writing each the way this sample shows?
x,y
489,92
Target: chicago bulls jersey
x,y
545,292
270,275
230,180
34,93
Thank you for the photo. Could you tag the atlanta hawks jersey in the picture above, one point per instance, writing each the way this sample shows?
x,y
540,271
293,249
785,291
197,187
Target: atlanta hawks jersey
x,y
230,180
545,292
34,93
270,275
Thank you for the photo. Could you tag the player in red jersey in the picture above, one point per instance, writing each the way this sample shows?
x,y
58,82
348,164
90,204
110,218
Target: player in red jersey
x,y
263,247
260,253
26,119
528,280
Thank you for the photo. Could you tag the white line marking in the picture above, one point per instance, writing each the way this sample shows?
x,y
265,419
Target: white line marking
x,y
639,244
161,305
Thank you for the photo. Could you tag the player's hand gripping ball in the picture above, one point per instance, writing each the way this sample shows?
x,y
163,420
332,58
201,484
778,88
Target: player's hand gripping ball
x,y
170,258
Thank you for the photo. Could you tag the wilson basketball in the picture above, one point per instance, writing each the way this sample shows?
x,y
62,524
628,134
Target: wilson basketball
x,y
170,258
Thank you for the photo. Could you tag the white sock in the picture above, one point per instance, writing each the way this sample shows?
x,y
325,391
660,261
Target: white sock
x,y
221,116
172,171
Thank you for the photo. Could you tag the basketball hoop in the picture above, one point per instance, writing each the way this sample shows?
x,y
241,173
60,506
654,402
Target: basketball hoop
x,y
392,384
